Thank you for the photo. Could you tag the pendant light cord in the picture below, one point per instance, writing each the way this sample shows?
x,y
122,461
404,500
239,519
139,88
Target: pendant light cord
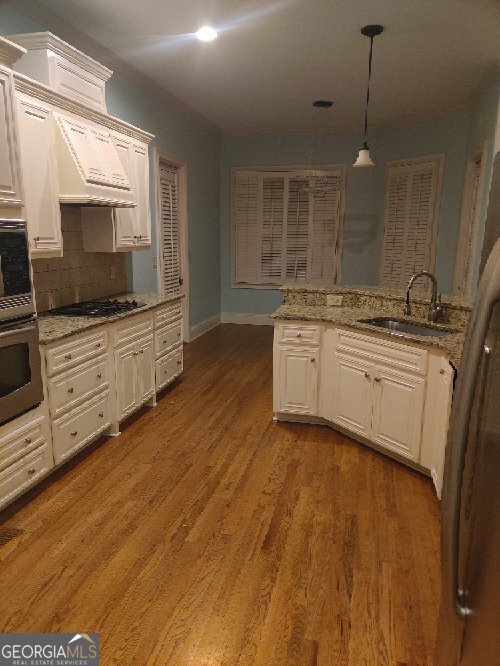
x,y
368,88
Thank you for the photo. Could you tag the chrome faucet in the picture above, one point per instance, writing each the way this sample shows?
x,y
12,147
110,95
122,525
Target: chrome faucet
x,y
435,306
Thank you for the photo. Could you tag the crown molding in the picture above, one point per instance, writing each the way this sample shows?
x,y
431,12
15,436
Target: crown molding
x,y
10,52
26,85
46,41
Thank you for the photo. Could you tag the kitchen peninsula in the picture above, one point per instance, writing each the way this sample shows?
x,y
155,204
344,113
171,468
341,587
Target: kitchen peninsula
x,y
335,364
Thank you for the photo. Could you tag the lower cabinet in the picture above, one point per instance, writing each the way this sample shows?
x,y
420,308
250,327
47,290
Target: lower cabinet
x,y
168,368
298,380
135,378
24,473
383,391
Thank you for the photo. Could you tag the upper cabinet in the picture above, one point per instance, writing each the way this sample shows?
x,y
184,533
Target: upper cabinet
x,y
10,172
71,150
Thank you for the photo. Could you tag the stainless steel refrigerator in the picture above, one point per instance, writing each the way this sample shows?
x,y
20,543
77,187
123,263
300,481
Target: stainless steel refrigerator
x,y
469,623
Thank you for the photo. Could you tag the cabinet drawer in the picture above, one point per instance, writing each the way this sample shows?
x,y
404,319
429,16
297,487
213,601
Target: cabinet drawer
x,y
71,353
380,350
167,313
24,473
168,368
133,328
70,388
301,334
80,427
20,441
168,337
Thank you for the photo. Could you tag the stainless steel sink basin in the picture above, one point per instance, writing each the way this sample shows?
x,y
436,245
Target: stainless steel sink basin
x,y
400,326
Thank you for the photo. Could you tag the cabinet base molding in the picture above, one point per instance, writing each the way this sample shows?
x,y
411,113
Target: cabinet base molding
x,y
318,420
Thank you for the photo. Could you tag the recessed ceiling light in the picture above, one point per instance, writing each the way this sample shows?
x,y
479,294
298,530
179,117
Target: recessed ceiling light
x,y
323,103
206,34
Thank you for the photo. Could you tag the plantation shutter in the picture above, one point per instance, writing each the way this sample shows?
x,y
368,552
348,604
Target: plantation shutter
x,y
411,219
286,225
246,204
170,231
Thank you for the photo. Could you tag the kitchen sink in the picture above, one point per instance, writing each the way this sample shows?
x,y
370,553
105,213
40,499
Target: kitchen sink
x,y
400,326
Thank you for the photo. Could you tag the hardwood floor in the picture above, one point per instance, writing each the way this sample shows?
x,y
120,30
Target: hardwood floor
x,y
207,534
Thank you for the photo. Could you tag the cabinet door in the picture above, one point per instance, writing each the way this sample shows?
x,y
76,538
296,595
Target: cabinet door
x,y
397,412
125,218
10,177
146,370
352,399
298,381
39,170
141,191
126,380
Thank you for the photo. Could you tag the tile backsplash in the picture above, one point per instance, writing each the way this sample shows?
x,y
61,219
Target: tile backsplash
x,y
77,275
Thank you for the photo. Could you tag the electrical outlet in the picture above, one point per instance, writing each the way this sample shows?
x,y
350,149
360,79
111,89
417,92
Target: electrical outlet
x,y
155,262
334,299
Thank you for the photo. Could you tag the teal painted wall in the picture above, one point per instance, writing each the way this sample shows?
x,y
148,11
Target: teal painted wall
x,y
364,194
178,132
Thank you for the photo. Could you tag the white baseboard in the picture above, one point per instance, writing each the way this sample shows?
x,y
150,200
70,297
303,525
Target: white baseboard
x,y
238,318
204,326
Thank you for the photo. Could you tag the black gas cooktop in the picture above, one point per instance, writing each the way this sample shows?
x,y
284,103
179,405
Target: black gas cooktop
x,y
107,308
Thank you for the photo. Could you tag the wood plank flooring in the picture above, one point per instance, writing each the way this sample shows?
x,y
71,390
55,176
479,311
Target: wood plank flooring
x,y
206,534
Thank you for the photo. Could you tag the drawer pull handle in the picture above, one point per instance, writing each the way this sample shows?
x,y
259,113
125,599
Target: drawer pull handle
x,y
71,390
179,334
164,342
179,362
299,335
142,351
36,239
378,379
313,360
27,440
99,375
68,356
97,344
136,353
74,433
31,470
367,375
101,415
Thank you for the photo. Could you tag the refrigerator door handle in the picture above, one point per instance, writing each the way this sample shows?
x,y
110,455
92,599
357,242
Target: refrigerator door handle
x,y
459,594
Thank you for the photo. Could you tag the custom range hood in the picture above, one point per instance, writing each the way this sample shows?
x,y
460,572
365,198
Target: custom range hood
x,y
73,84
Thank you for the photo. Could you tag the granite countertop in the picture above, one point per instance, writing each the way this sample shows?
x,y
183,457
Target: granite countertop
x,y
350,316
57,327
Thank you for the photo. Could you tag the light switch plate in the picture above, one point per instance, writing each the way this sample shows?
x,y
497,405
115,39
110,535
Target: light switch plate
x,y
334,299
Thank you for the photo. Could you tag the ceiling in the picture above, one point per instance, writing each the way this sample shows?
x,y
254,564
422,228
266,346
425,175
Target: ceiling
x,y
274,57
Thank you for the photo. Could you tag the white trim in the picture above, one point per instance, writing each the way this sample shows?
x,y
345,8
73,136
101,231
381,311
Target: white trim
x,y
181,166
246,318
204,326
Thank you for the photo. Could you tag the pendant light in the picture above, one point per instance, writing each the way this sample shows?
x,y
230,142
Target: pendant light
x,y
364,159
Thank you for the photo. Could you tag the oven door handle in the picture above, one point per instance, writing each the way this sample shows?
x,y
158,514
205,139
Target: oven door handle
x,y
14,330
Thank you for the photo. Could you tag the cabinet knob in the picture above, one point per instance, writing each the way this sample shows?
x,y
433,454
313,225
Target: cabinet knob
x,y
27,440
367,375
179,362
101,415
179,334
31,470
142,351
378,379
36,239
68,356
71,390
136,353
441,372
97,344
99,375
313,360
74,433
164,342
299,335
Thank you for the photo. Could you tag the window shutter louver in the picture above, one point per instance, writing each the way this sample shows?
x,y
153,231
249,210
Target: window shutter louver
x,y
325,231
170,231
247,257
412,198
273,193
297,231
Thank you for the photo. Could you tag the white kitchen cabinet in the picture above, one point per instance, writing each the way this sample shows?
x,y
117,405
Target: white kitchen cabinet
x,y
127,390
352,402
10,162
122,229
146,370
298,378
398,401
39,172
